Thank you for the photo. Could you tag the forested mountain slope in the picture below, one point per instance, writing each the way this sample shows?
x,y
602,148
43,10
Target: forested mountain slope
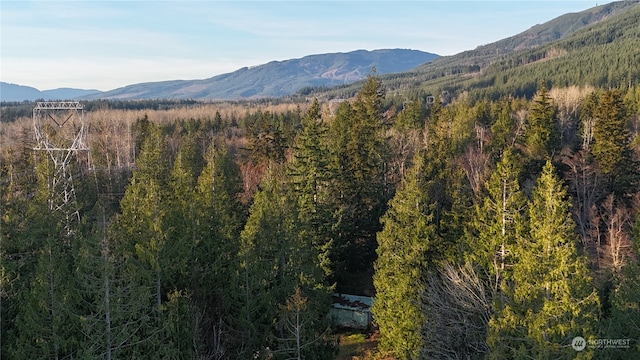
x,y
596,46
278,78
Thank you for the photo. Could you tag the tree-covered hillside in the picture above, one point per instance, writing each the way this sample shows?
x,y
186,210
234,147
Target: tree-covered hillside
x,y
277,78
595,47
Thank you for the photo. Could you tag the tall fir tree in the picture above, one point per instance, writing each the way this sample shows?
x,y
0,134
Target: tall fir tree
x,y
503,129
145,209
358,159
449,130
46,323
214,265
541,135
19,238
411,117
611,144
142,238
309,171
551,299
113,317
182,217
498,222
400,268
275,260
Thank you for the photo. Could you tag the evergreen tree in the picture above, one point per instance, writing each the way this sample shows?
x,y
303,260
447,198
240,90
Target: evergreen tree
x,y
113,317
266,138
541,135
411,117
493,233
310,179
214,264
19,238
503,130
46,325
357,159
611,143
498,222
142,238
401,264
144,209
551,298
275,260
182,217
141,130
219,188
449,131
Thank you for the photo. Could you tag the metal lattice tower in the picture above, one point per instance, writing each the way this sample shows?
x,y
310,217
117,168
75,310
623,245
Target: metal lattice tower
x,y
61,132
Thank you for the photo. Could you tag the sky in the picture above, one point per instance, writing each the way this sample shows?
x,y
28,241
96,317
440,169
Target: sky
x,y
105,45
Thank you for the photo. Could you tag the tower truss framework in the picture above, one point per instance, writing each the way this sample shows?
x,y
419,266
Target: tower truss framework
x,y
60,131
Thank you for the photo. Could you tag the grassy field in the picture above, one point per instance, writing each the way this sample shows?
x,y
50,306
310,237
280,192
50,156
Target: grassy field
x,y
359,346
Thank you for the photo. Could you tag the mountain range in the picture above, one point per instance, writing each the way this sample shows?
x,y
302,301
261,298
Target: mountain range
x,y
14,92
573,49
274,79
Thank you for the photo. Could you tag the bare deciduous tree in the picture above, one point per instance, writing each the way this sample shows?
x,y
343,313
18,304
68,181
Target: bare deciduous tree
x,y
403,145
617,231
458,307
475,164
583,179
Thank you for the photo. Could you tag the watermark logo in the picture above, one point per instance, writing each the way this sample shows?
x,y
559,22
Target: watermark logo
x,y
579,343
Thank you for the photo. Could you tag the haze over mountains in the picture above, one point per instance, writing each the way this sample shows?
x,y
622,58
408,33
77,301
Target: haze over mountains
x,y
567,41
274,79
15,92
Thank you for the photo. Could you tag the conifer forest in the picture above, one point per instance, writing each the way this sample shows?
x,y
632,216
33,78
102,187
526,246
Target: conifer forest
x,y
498,229
488,217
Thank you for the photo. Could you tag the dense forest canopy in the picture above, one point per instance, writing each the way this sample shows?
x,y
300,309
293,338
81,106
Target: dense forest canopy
x,y
486,223
221,229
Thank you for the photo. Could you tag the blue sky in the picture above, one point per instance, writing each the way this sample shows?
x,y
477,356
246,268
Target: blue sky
x,y
108,44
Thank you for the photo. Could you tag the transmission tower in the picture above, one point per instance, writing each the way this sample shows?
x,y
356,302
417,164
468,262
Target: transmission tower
x,y
61,133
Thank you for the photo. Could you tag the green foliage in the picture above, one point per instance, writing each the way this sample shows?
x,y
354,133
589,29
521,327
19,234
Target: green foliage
x,y
498,222
357,154
611,143
267,137
503,129
449,132
19,238
411,117
46,324
541,134
153,258
276,258
310,176
213,273
179,271
551,298
624,322
400,267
